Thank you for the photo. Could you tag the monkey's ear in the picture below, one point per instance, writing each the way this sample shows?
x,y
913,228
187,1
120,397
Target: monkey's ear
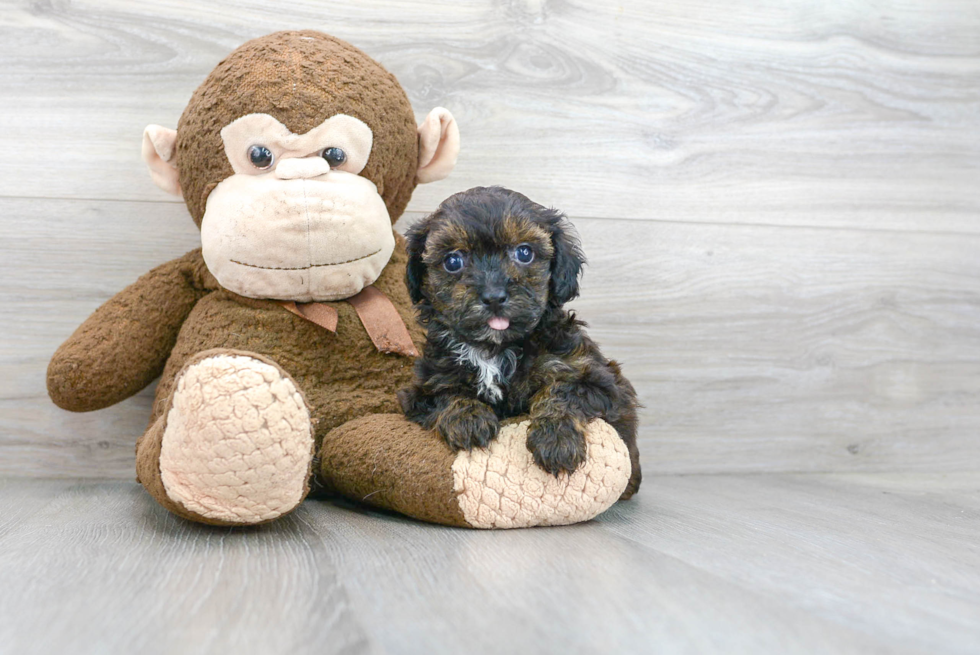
x,y
415,270
159,147
438,146
566,262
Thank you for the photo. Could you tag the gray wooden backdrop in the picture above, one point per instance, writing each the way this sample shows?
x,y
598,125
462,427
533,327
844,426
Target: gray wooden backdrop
x,y
779,200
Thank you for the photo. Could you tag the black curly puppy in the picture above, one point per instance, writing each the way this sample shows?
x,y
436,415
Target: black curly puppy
x,y
489,272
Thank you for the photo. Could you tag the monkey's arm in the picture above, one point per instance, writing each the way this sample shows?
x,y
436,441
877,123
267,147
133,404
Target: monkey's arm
x,y
125,343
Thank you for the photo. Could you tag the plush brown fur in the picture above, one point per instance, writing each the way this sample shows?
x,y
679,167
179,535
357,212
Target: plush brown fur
x,y
156,325
301,78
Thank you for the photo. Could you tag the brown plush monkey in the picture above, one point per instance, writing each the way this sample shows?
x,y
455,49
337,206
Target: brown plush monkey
x,y
281,342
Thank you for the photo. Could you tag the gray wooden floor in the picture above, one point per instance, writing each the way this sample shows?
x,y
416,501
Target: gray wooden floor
x,y
783,563
780,201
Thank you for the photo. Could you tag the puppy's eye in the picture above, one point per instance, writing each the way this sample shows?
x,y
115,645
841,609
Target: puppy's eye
x,y
334,156
260,156
453,262
523,254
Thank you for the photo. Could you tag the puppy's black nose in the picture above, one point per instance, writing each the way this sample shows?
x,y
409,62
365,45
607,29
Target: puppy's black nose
x,y
494,297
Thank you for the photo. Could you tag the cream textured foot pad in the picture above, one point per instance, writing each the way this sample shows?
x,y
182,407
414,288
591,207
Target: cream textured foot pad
x,y
238,442
502,487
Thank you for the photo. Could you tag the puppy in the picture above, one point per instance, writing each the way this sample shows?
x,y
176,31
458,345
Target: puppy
x,y
489,272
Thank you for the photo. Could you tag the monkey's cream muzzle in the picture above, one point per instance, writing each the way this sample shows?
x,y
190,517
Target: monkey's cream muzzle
x,y
288,225
297,229
306,240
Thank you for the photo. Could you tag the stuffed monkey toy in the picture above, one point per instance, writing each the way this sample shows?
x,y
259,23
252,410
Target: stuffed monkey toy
x,y
281,342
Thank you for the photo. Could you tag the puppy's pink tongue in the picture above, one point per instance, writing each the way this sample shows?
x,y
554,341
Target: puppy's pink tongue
x,y
499,323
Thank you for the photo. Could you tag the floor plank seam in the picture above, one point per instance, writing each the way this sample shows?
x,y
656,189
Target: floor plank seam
x,y
410,213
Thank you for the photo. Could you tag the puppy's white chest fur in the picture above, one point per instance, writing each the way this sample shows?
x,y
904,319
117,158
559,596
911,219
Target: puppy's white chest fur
x,y
490,370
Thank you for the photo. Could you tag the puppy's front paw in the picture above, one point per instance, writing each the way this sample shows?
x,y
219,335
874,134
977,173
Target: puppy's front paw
x,y
467,424
558,445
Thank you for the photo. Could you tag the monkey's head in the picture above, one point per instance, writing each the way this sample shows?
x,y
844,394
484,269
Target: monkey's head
x,y
295,157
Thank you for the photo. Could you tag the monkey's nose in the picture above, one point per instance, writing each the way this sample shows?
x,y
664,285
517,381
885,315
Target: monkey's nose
x,y
301,168
494,298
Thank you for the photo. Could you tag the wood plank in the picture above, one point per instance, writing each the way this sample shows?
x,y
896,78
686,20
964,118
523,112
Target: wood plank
x,y
844,547
22,499
577,589
784,113
103,569
774,349
724,563
752,348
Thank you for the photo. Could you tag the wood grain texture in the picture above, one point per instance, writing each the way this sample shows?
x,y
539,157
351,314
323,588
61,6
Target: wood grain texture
x,y
762,349
752,348
783,240
838,546
780,205
786,113
726,564
97,569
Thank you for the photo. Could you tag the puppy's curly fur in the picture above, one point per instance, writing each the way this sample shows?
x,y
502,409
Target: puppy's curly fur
x,y
489,272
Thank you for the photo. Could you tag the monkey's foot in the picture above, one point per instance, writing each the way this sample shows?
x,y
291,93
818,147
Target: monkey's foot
x,y
502,487
234,447
388,462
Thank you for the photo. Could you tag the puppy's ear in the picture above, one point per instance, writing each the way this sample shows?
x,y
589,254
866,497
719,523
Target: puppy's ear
x,y
415,270
566,263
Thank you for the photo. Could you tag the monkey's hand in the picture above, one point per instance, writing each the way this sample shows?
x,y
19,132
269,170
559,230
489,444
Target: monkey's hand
x,y
557,443
125,343
467,423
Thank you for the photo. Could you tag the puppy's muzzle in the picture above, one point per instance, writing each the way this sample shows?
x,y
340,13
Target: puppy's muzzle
x,y
494,298
493,290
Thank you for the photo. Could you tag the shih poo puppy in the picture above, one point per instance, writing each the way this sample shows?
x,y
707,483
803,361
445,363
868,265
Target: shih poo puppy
x,y
489,272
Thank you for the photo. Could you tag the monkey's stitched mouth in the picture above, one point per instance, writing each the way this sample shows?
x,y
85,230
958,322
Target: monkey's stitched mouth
x,y
304,268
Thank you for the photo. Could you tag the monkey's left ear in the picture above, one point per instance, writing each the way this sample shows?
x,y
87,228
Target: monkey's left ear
x,y
438,146
159,147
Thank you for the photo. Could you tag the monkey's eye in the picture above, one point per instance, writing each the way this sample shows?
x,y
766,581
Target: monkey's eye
x,y
523,254
334,156
260,156
453,262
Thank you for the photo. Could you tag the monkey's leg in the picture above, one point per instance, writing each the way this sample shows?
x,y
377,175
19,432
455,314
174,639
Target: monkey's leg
x,y
235,444
386,461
